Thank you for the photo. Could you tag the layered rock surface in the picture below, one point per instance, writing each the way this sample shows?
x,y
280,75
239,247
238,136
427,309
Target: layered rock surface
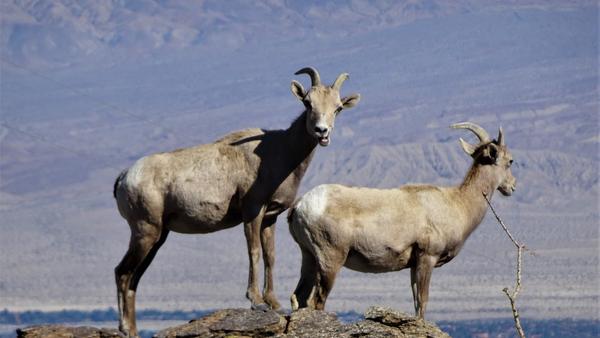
x,y
378,322
60,331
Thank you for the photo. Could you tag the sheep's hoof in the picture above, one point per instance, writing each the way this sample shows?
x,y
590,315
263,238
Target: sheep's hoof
x,y
294,302
271,300
261,307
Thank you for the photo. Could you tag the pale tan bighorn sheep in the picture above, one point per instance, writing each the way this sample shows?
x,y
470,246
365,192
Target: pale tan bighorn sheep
x,y
249,176
379,230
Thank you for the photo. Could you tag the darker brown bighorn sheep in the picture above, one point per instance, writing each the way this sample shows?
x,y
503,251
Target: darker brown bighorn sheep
x,y
248,176
379,230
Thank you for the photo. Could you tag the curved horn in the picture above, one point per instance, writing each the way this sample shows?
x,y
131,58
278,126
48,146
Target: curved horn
x,y
477,130
314,75
500,137
467,147
338,82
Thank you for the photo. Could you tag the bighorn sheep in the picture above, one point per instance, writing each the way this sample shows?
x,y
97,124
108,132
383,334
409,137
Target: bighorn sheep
x,y
379,230
248,176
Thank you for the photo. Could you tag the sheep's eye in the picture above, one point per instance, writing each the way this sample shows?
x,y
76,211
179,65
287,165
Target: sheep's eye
x,y
510,163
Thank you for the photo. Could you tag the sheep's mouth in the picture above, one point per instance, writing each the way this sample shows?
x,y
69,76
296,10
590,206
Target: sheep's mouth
x,y
323,140
506,191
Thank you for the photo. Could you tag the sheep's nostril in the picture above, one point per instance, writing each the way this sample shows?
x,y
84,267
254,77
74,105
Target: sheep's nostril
x,y
321,130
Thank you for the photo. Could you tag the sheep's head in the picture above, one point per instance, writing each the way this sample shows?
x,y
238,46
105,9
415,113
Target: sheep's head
x,y
323,103
493,153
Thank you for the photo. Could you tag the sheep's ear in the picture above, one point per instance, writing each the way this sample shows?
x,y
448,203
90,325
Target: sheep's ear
x,y
490,153
350,101
467,147
298,90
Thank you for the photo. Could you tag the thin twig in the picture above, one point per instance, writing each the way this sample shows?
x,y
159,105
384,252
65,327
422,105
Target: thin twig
x,y
501,223
512,297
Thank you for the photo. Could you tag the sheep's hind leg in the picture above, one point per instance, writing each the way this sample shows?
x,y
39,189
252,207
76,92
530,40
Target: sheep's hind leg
x,y
145,241
326,276
307,283
123,274
267,239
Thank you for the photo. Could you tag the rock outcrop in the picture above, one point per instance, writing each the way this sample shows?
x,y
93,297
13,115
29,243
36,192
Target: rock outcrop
x,y
222,323
60,331
304,323
397,323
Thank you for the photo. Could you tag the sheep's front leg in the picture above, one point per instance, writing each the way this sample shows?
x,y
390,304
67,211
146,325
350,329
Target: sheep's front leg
x,y
267,239
420,276
413,287
252,232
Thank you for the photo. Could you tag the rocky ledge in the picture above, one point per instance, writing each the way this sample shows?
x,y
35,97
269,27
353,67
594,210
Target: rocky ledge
x,y
378,322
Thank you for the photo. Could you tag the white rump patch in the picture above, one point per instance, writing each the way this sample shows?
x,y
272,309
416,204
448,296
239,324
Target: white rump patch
x,y
312,205
134,174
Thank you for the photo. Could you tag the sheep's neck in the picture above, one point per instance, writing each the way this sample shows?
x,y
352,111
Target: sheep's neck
x,y
477,182
301,146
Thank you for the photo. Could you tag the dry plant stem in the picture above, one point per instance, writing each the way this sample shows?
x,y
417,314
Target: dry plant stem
x,y
512,297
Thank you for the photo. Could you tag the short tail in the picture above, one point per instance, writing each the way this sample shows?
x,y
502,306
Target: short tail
x,y
118,181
